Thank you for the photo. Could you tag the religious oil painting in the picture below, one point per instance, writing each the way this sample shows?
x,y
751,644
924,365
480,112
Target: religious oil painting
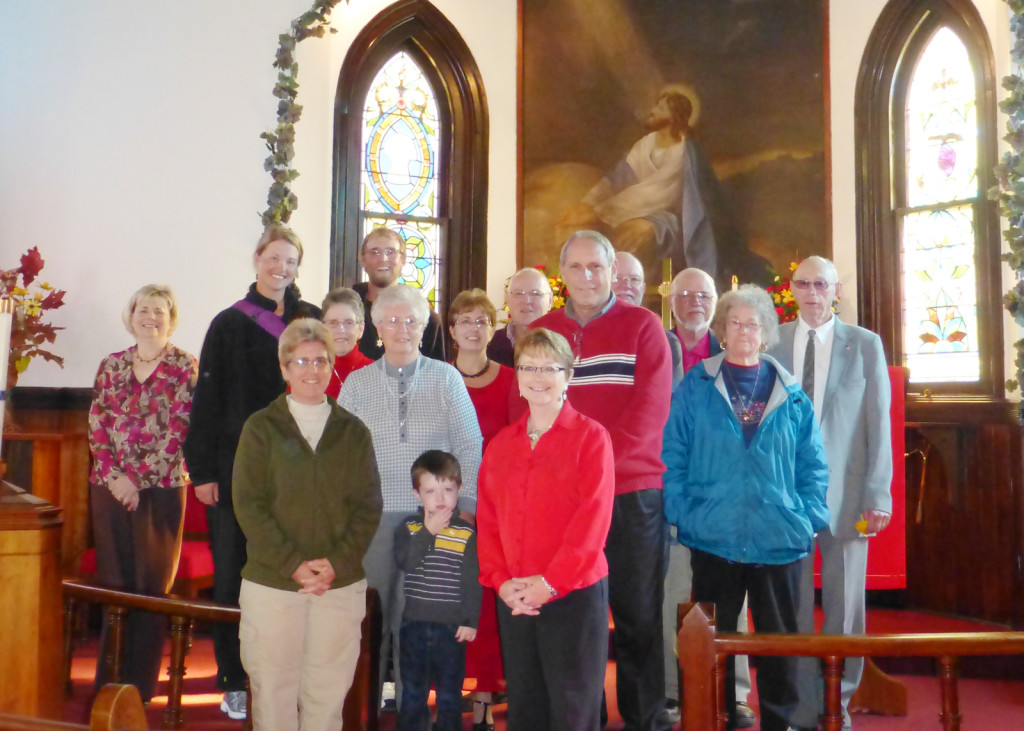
x,y
686,130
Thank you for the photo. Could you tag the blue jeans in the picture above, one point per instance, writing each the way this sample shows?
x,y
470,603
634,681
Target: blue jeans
x,y
430,655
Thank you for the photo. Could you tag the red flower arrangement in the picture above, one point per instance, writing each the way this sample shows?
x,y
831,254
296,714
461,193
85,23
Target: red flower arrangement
x,y
782,294
29,333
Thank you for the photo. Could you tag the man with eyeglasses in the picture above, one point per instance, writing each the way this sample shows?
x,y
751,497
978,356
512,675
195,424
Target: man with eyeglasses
x,y
528,297
621,379
382,256
629,286
844,373
693,298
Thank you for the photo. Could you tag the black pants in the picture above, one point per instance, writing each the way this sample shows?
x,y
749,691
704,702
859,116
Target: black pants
x,y
636,585
431,656
555,662
227,544
137,551
772,591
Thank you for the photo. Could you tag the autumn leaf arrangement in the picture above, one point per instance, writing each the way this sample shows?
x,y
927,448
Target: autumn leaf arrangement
x,y
31,299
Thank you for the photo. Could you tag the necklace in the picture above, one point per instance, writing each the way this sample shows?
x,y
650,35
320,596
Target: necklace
x,y
746,411
536,432
140,359
479,373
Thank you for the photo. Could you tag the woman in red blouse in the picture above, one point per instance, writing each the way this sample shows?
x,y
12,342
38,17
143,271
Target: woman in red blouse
x,y
544,506
137,423
471,321
345,317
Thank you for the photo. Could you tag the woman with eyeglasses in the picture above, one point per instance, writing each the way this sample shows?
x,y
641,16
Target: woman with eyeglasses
x,y
471,320
345,317
307,496
239,374
745,485
411,403
547,484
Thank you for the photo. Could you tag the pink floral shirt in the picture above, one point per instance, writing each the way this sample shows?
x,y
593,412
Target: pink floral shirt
x,y
137,429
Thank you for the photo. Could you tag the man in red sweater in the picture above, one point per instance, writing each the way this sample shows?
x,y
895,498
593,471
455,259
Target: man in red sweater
x,y
622,378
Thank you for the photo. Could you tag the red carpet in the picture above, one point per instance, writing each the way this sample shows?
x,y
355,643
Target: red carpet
x,y
986,705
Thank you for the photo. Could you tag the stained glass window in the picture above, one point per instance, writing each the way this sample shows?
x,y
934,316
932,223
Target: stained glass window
x,y
940,308
398,183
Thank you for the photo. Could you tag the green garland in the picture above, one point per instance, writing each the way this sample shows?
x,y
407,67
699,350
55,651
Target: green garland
x,y
1010,174
281,200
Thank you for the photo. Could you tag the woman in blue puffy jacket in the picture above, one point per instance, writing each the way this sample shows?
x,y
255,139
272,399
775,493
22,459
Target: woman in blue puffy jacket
x,y
745,485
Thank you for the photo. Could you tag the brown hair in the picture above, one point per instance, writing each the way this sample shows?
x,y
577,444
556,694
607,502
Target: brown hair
x,y
278,232
442,465
466,300
547,342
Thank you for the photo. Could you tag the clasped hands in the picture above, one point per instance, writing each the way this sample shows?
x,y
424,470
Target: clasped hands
x,y
525,595
315,576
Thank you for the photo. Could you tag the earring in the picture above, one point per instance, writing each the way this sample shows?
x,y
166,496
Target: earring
x,y
764,348
721,344
380,343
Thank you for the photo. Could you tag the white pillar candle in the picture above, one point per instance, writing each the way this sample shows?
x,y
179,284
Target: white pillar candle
x,y
6,307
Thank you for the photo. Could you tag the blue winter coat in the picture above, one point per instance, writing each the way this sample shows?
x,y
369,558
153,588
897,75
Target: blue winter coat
x,y
761,504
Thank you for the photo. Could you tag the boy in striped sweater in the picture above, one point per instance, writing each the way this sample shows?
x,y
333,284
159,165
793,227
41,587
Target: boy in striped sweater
x,y
437,551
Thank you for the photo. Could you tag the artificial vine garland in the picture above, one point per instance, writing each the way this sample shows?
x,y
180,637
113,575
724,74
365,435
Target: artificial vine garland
x,y
1010,174
281,200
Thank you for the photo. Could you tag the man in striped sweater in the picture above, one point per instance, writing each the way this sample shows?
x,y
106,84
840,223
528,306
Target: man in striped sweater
x,y
622,379
437,551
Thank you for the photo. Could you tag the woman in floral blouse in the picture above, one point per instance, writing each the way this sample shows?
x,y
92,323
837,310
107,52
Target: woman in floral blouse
x,y
137,424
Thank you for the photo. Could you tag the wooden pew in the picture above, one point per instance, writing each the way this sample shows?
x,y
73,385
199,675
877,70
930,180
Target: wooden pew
x,y
702,656
362,698
116,708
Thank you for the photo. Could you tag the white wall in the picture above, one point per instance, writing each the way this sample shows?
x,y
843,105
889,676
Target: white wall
x,y
130,148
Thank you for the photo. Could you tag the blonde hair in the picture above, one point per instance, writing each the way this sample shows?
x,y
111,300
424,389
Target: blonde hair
x,y
546,342
150,290
278,232
304,330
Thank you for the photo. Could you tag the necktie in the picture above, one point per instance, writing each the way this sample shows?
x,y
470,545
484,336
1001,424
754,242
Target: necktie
x,y
808,380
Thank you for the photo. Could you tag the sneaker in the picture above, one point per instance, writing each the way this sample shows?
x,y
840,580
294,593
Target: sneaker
x,y
670,714
234,704
387,698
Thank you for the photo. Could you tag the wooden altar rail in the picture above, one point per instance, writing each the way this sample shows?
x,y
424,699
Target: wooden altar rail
x,y
116,708
702,657
363,698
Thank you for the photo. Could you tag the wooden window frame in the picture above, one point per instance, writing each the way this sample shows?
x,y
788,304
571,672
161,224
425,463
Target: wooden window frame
x,y
899,36
419,29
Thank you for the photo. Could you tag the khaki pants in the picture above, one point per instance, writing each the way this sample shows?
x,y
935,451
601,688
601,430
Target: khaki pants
x,y
300,651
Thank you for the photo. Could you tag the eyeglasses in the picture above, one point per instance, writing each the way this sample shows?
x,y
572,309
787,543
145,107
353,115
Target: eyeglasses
x,y
805,284
633,281
478,323
318,363
341,324
701,297
743,326
535,294
543,370
388,252
409,323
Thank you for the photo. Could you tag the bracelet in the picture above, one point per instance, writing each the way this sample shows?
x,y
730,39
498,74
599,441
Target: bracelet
x,y
550,588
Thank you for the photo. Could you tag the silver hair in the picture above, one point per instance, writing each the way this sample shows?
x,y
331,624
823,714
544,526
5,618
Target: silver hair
x,y
598,238
826,264
708,279
526,270
400,294
151,290
304,330
749,295
345,296
636,261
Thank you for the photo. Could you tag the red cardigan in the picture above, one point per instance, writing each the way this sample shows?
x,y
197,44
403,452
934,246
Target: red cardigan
x,y
343,365
623,380
547,510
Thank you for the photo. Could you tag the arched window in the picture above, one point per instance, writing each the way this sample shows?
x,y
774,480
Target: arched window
x,y
410,151
928,237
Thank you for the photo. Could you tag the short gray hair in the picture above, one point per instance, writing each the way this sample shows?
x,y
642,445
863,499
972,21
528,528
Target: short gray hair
x,y
151,290
749,295
304,330
400,294
826,264
345,296
598,238
528,270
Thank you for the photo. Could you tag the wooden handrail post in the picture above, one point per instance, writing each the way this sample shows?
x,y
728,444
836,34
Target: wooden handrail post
x,y
115,627
949,696
696,643
833,674
69,642
721,714
180,627
117,708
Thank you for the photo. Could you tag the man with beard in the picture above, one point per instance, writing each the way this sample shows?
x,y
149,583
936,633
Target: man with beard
x,y
528,296
382,256
663,201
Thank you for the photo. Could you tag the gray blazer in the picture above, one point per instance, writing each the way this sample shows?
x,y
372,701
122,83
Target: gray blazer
x,y
854,423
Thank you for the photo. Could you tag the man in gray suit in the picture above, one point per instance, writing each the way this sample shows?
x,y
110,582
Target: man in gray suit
x,y
843,370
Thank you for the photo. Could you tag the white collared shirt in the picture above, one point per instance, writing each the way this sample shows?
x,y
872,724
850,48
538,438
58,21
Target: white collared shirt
x,y
823,335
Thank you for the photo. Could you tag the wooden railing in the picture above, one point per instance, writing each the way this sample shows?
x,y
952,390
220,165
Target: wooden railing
x,y
702,656
363,699
116,708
